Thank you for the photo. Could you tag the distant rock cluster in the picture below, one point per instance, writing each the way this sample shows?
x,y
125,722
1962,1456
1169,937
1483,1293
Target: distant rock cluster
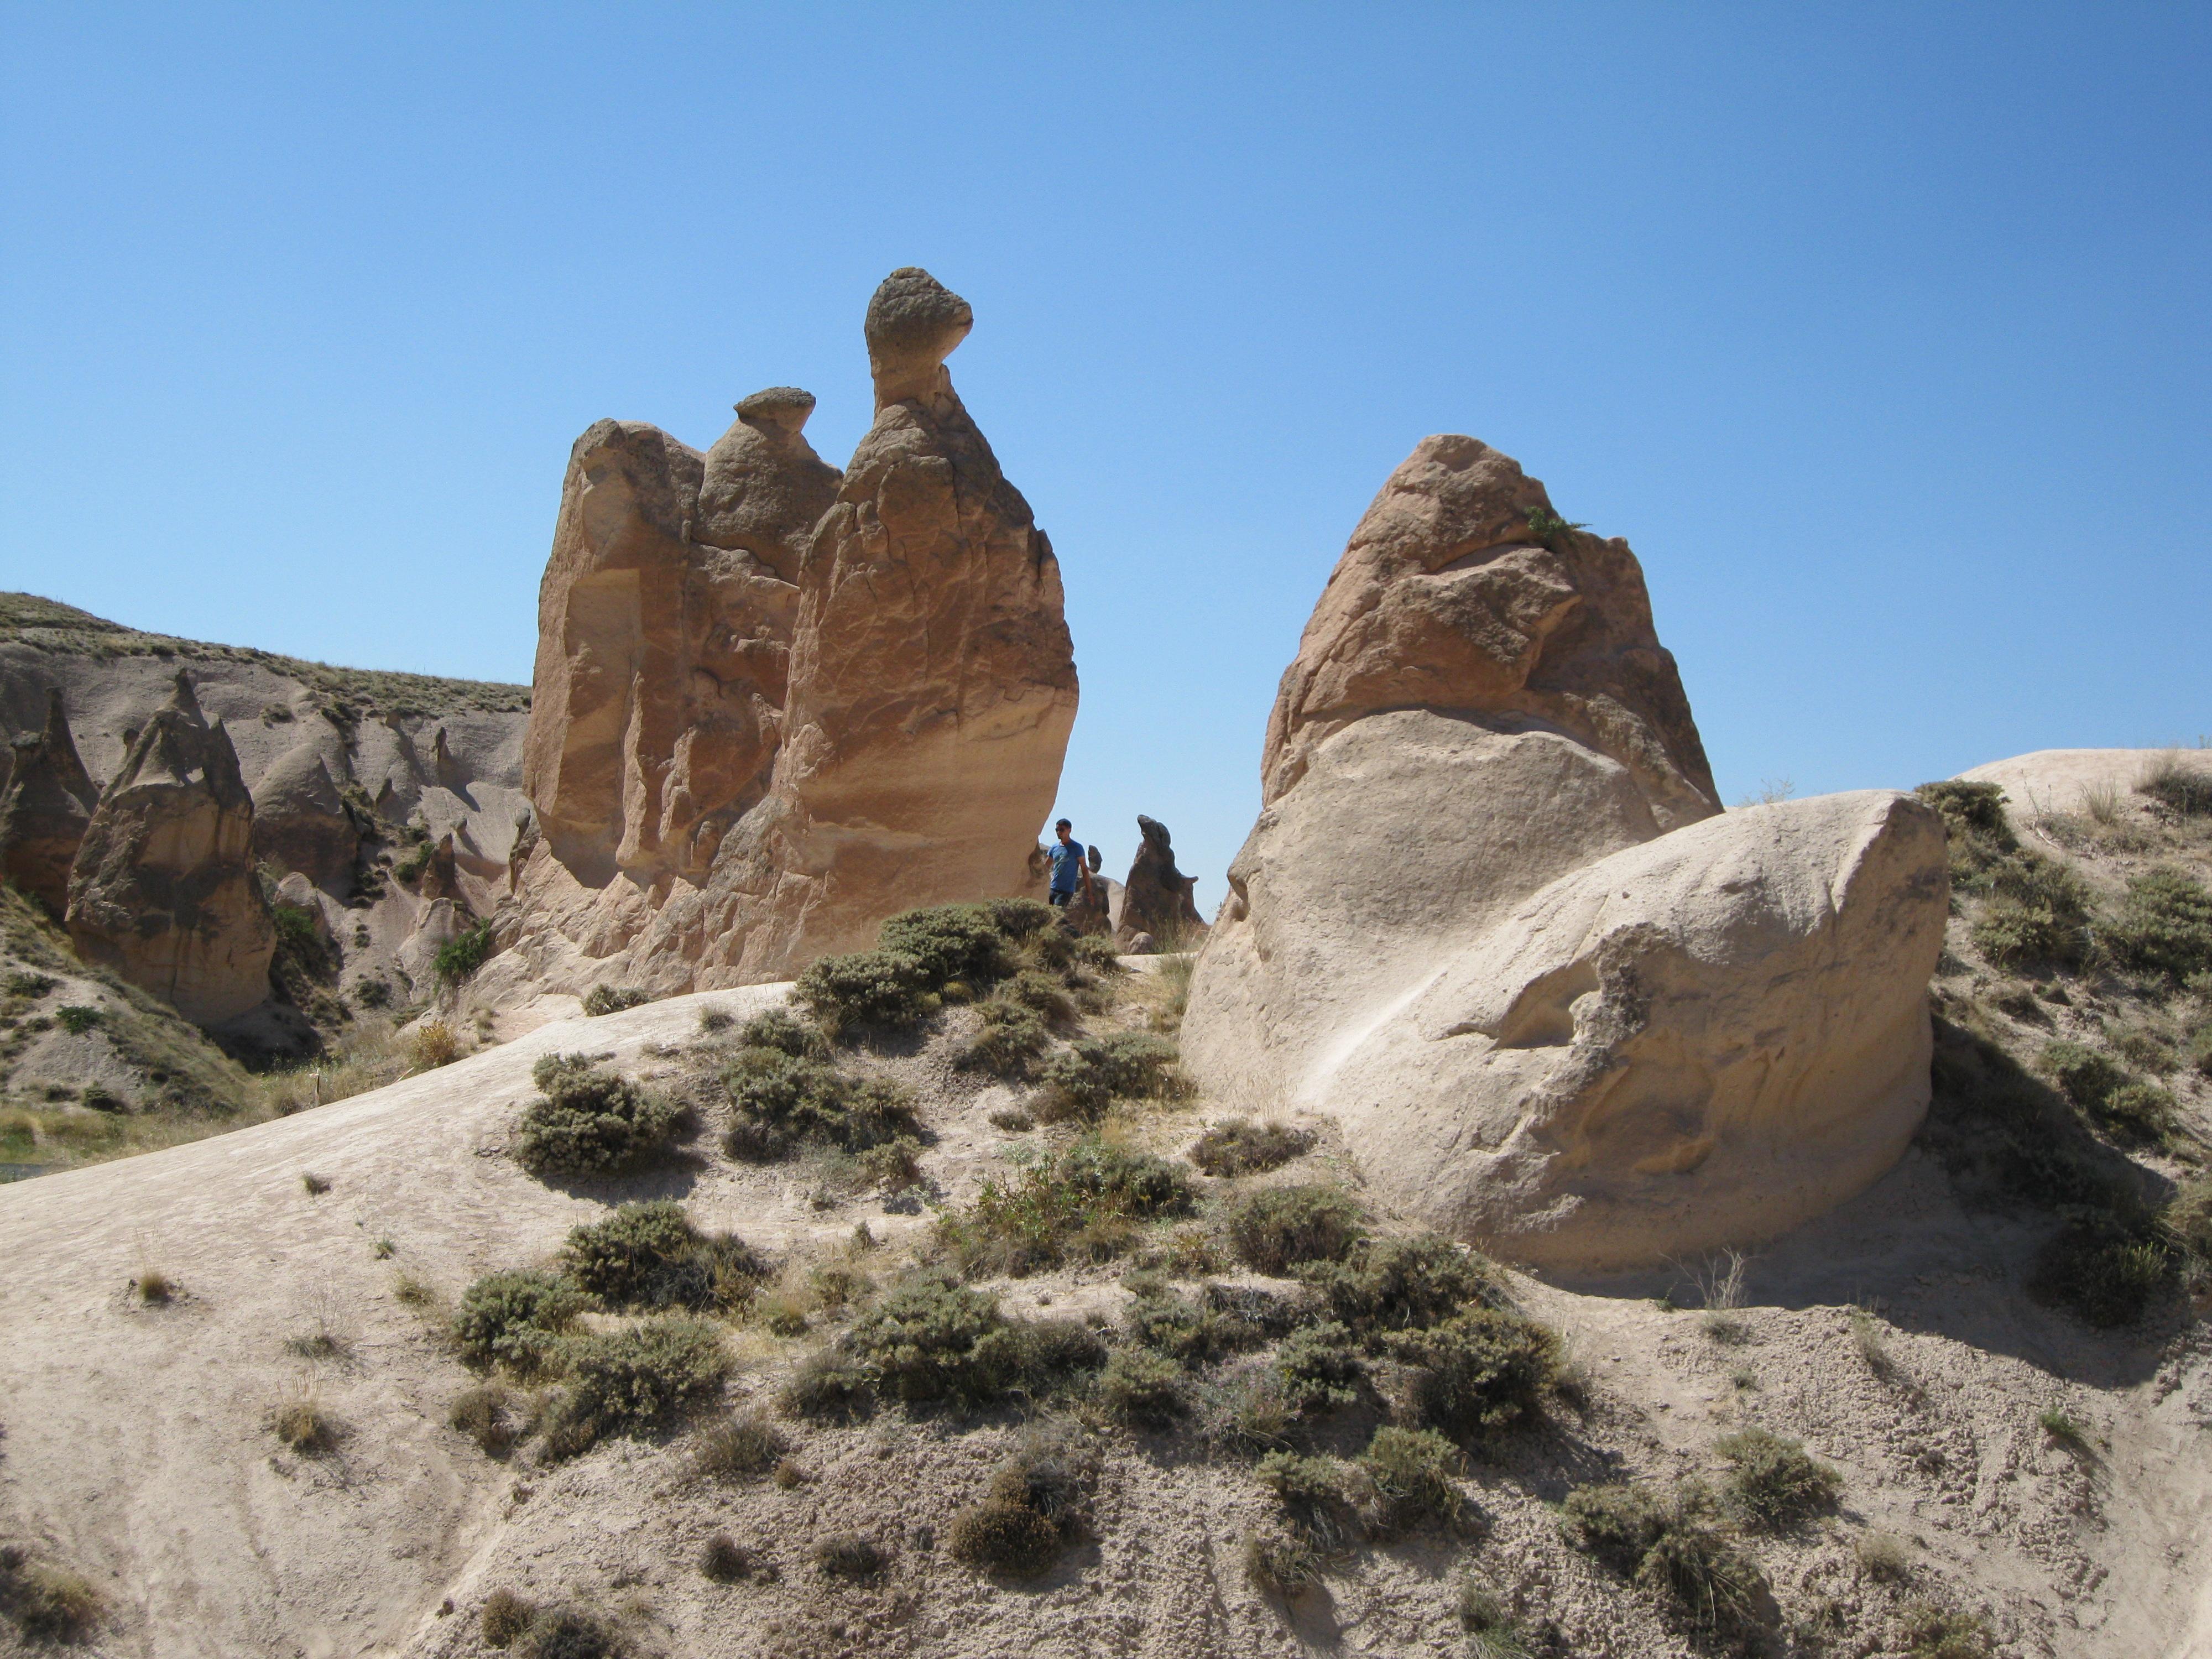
x,y
1490,917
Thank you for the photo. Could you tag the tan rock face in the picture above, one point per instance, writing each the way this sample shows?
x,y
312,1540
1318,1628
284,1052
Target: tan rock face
x,y
665,623
1703,1041
163,890
1156,897
300,819
1476,708
44,809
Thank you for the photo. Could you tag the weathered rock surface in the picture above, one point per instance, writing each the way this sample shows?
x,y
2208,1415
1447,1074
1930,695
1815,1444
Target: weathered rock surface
x,y
1477,707
662,659
300,823
1702,1040
1156,897
47,803
163,890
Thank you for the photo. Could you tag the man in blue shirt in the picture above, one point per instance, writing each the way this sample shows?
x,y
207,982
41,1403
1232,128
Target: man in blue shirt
x,y
1067,869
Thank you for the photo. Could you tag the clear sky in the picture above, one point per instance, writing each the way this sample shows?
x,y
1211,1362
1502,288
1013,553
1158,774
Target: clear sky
x,y
1880,330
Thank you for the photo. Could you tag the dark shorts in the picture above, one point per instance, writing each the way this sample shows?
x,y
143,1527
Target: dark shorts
x,y
1061,899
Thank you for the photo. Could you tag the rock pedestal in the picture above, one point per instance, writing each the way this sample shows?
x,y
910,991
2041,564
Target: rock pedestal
x,y
163,890
1156,897
44,809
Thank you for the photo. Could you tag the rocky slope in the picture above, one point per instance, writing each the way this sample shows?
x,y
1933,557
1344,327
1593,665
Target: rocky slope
x,y
2014,1478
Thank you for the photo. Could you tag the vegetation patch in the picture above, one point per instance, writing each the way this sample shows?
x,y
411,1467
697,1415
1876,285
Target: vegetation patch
x,y
1012,1037
1085,1203
1482,1369
47,1602
463,954
650,1256
1320,1368
1412,1473
2181,785
613,998
1037,1504
1238,1147
2164,924
1082,1080
741,1449
1141,1386
1774,1486
1403,1284
780,1101
491,1416
590,1121
1279,1228
1670,1546
516,1319
635,1380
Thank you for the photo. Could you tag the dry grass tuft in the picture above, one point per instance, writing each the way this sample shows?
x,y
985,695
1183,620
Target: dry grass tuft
x,y
1884,1557
432,1043
156,1288
303,1425
48,1603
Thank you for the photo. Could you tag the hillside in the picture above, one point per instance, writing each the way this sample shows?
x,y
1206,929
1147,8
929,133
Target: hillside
x,y
2019,1460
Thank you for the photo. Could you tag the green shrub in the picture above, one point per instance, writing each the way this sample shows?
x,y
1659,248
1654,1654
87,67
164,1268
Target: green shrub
x,y
1974,822
741,1449
1286,1565
590,1122
1238,1147
950,941
48,1603
1297,1479
2188,1219
779,1103
1142,1387
613,998
1774,1484
2184,788
880,989
2165,924
21,983
1084,1204
1401,1283
2104,1267
76,1018
1411,1471
1085,1078
932,1340
505,1616
1185,1332
1616,1524
2038,911
1320,1368
634,1380
1012,1036
1715,1586
650,1256
1041,993
463,954
1278,1228
784,1032
2140,1114
1490,1630
1487,1369
1932,1633
1037,1506
516,1318
827,1386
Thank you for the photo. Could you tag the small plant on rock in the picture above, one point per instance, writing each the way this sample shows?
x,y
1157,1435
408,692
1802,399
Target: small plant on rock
x,y
613,998
650,1256
1238,1147
463,954
1279,1228
590,1121
1774,1486
637,1379
516,1318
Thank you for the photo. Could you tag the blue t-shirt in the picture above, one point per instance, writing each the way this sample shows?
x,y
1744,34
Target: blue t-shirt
x,y
1066,858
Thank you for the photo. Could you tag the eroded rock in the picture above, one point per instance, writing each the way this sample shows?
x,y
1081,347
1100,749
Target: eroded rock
x,y
44,809
1157,898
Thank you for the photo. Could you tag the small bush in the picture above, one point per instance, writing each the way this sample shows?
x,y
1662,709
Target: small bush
x,y
780,1101
2102,1269
463,954
635,1380
1412,1471
1142,1387
303,1426
47,1602
1186,1331
1401,1283
1239,1146
1035,1506
613,998
951,941
76,1018
1320,1368
505,1617
1485,1369
784,1032
431,1043
849,1556
650,1256
1615,1523
2165,924
714,1021
1884,1557
516,1318
827,1387
1491,1631
2062,1429
488,1415
1280,1565
559,1633
934,1340
726,1561
2176,784
895,1164
2084,1076
24,984
1974,820
155,1287
880,989
1932,1633
1084,1204
1774,1486
1279,1228
315,1185
1715,1586
1012,1037
590,1122
1082,1080
2036,912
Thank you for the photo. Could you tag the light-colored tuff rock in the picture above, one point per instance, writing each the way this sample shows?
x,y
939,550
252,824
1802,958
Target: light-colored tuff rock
x,y
1157,898
1703,1041
300,823
1480,704
662,659
163,889
47,803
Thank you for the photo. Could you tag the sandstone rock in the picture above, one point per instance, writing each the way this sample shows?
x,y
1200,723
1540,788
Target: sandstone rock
x,y
163,889
1480,704
1699,1042
1156,897
661,660
300,818
47,804
933,681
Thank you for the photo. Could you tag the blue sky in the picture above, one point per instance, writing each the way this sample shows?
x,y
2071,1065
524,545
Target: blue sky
x,y
1880,330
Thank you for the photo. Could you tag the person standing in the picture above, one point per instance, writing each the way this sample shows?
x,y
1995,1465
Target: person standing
x,y
1067,867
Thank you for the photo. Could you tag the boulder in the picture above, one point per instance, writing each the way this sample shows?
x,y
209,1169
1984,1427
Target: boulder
x,y
933,680
1699,1042
1480,704
44,809
1156,897
163,889
662,659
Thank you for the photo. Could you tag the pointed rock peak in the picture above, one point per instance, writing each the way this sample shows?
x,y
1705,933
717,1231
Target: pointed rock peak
x,y
914,323
182,700
779,412
58,729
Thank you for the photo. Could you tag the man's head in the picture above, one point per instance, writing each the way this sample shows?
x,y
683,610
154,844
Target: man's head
x,y
1061,828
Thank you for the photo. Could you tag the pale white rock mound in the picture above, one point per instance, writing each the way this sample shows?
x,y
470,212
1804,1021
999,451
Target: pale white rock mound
x,y
1700,1041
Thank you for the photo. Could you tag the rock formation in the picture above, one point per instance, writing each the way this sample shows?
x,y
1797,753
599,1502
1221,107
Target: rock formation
x,y
163,890
1156,897
916,742
48,802
1480,704
662,658
1699,1042
300,818
1489,919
